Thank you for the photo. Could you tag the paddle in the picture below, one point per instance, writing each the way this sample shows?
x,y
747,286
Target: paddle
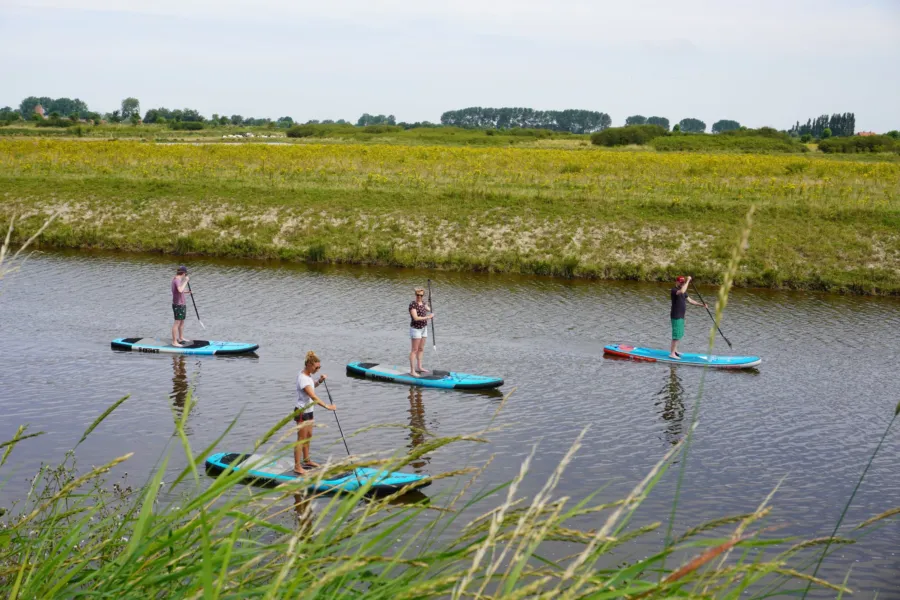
x,y
330,399
431,305
196,312
710,314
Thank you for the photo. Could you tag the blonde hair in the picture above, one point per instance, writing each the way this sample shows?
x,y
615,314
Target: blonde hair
x,y
419,290
311,358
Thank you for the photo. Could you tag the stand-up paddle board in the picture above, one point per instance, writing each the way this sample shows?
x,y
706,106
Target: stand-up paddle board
x,y
436,379
687,358
266,470
157,346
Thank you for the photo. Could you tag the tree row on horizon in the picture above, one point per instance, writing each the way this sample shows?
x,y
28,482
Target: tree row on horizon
x,y
576,121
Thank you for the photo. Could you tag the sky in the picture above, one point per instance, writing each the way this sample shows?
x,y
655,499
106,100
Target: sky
x,y
760,62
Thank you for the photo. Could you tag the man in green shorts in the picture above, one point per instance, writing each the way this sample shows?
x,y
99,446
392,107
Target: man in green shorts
x,y
679,307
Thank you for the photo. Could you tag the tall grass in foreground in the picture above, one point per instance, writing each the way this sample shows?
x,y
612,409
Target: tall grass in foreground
x,y
73,536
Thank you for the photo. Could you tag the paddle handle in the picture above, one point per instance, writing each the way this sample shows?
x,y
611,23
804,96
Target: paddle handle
x,y
343,439
709,313
194,302
431,306
346,447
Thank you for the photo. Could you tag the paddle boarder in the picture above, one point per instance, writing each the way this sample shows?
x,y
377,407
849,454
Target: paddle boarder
x,y
179,305
303,412
680,299
420,313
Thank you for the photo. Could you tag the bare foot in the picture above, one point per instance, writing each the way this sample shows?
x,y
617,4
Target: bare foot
x,y
426,371
413,374
184,342
312,464
299,471
674,357
176,344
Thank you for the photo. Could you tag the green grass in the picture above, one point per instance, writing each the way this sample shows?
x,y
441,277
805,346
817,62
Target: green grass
x,y
822,223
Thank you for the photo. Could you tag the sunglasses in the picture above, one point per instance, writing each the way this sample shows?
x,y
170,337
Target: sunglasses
x,y
419,295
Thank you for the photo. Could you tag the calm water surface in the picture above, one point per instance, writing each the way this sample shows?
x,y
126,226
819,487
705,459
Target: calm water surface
x,y
811,415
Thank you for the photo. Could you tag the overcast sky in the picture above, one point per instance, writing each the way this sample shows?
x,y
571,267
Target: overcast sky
x,y
761,62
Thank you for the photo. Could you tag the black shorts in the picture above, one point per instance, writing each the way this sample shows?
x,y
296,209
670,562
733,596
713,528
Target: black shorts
x,y
299,417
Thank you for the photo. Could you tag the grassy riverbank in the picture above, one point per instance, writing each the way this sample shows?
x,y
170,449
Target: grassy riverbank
x,y
820,223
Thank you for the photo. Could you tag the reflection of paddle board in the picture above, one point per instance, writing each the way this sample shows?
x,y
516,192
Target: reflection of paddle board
x,y
436,379
156,346
687,358
268,470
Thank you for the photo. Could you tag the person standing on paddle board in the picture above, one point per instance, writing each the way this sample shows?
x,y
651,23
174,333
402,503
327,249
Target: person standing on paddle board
x,y
179,305
303,412
680,300
420,313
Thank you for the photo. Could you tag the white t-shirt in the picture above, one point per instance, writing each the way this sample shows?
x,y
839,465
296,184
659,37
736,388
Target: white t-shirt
x,y
303,399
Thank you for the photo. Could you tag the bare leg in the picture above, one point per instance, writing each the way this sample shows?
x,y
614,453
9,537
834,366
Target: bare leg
x,y
175,334
308,428
181,331
674,351
420,354
414,349
298,449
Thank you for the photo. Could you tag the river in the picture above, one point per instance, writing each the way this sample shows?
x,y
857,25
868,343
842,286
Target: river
x,y
810,416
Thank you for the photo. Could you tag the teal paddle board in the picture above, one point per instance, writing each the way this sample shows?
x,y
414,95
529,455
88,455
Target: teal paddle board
x,y
268,470
687,358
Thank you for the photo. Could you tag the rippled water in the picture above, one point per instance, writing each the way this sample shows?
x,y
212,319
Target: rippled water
x,y
809,418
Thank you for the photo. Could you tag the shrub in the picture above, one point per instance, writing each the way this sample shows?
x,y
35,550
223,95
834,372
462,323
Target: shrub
x,y
728,143
623,136
381,129
301,131
856,144
805,138
186,125
53,122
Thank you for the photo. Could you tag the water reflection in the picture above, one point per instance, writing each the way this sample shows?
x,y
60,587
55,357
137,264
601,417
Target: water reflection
x,y
671,403
417,429
181,385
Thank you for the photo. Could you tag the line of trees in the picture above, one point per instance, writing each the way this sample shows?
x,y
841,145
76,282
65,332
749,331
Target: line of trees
x,y
61,106
724,125
571,120
366,119
841,125
642,120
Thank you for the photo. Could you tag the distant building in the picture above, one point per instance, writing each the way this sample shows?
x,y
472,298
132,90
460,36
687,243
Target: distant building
x,y
38,109
866,133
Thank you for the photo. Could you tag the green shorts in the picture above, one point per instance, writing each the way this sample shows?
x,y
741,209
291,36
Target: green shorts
x,y
677,329
180,311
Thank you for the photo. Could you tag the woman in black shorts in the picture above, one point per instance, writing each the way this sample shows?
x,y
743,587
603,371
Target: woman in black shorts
x,y
420,313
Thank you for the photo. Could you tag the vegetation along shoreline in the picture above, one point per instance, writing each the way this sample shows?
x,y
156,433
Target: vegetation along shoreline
x,y
821,223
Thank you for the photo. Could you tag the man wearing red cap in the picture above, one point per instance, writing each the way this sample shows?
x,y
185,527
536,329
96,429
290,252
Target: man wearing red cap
x,y
679,307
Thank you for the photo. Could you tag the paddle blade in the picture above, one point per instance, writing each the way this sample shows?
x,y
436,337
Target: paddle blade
x,y
201,324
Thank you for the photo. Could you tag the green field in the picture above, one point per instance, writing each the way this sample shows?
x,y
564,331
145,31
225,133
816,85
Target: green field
x,y
820,223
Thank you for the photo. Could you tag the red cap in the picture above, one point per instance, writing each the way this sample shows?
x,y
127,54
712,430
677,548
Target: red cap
x,y
680,279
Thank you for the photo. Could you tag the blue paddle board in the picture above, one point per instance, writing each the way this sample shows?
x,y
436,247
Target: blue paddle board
x,y
436,379
687,358
157,346
266,470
